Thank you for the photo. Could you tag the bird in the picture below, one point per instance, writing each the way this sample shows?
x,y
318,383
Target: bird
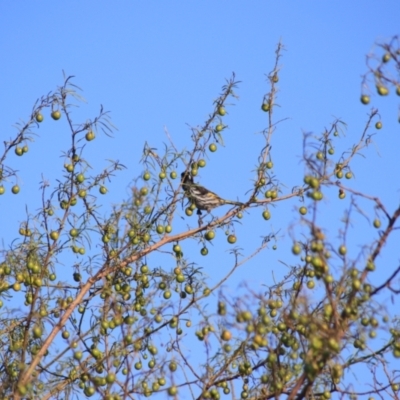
x,y
201,197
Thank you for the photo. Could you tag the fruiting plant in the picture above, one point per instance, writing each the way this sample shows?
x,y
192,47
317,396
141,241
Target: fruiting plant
x,y
109,304
56,115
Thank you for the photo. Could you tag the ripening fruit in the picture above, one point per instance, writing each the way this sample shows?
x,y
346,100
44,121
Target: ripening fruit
x,y
188,211
2,190
303,210
210,235
275,78
176,248
172,391
269,164
39,117
311,284
382,90
212,147
110,378
89,391
146,176
138,365
231,239
377,223
296,249
365,321
18,151
74,232
378,125
54,235
80,178
173,175
221,111
365,99
307,179
342,250
162,175
56,115
204,251
226,335
146,237
37,332
219,128
15,189
103,190
348,175
161,381
17,286
327,395
265,107
396,353
398,90
73,345
266,215
201,163
261,182
90,136
386,57
317,195
356,284
313,182
69,167
331,151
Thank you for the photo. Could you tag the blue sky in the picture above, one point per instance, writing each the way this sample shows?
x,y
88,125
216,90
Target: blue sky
x,y
158,65
162,63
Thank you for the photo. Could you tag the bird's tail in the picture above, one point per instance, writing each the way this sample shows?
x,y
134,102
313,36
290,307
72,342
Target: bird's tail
x,y
234,203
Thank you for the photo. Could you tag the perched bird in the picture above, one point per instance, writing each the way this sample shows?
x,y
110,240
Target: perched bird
x,y
201,197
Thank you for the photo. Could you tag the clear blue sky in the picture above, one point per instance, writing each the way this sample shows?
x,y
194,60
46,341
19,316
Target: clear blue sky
x,y
161,64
